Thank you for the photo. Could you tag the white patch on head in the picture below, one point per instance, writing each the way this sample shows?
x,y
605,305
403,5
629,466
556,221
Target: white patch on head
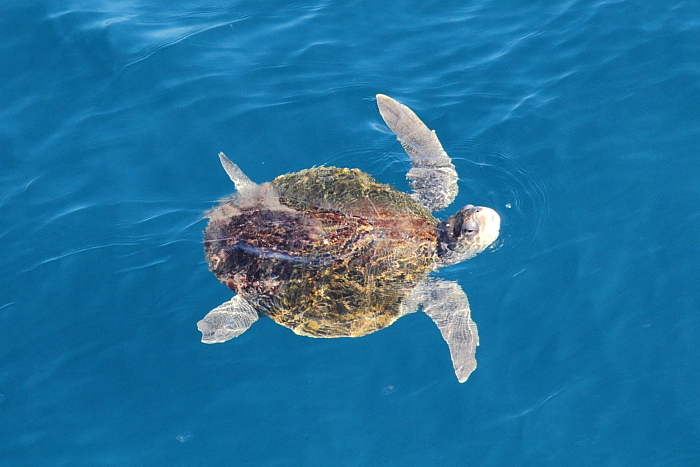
x,y
489,226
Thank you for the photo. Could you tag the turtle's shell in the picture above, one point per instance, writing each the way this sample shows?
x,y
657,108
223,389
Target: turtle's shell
x,y
326,252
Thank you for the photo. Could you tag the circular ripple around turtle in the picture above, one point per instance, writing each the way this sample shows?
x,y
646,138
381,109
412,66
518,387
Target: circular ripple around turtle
x,y
514,187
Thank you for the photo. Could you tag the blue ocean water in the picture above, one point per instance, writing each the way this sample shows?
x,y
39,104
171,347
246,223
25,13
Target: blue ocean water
x,y
578,121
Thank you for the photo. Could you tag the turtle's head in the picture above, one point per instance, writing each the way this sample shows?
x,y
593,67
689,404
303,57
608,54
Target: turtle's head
x,y
466,233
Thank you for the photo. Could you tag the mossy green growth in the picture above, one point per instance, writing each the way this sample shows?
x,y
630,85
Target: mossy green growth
x,y
349,190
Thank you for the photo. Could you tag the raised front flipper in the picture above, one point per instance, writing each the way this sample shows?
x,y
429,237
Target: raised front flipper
x,y
433,177
447,305
226,321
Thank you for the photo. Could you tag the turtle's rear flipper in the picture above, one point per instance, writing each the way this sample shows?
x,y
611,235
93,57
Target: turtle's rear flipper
x,y
433,176
226,321
241,181
447,305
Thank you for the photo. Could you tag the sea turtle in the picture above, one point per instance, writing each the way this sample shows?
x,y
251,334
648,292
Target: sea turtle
x,y
331,252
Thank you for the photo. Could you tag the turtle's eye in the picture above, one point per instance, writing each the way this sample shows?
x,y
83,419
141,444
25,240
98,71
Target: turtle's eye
x,y
470,228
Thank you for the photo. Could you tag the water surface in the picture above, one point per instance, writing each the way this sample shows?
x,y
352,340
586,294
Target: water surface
x,y
578,121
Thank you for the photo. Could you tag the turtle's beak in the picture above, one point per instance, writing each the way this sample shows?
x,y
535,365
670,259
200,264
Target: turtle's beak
x,y
489,226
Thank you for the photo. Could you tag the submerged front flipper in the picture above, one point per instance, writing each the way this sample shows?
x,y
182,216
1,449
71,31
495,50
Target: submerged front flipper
x,y
447,305
226,321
